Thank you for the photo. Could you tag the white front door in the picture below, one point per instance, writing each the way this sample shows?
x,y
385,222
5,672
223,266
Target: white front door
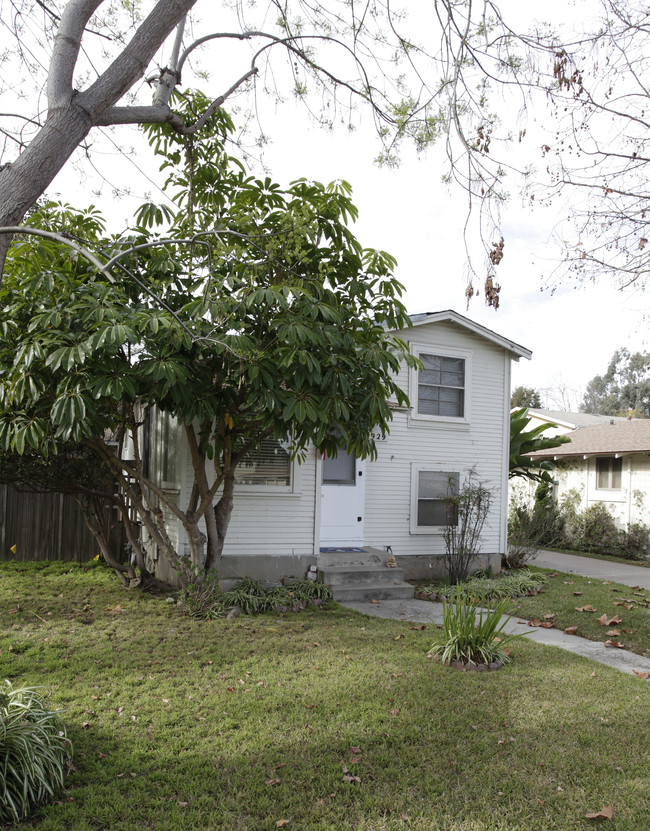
x,y
342,500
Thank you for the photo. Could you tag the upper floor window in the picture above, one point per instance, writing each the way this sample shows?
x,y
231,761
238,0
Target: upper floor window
x,y
608,473
440,390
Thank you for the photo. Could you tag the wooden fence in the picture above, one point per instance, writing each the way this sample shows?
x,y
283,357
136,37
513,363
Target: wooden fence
x,y
50,526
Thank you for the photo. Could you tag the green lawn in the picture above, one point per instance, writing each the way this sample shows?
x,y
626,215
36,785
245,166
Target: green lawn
x,y
565,594
326,719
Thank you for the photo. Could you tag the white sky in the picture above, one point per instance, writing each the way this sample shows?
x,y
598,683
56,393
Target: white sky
x,y
409,213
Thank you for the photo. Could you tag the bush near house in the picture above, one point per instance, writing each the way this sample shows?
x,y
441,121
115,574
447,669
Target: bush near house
x,y
562,525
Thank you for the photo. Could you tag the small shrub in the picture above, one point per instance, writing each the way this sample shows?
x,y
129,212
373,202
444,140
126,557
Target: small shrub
x,y
33,752
471,507
634,544
473,635
199,597
598,532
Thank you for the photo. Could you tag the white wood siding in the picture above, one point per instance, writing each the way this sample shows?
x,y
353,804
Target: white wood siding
x,y
440,445
271,521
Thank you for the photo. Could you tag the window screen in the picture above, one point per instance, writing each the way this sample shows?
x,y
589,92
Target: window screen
x,y
441,386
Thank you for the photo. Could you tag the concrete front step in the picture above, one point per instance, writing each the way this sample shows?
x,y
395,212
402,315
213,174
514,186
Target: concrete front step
x,y
380,591
365,556
348,575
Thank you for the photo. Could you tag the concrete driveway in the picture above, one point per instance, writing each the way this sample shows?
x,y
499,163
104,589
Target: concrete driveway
x,y
588,567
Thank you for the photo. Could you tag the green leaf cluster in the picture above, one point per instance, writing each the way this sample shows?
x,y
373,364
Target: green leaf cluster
x,y
523,442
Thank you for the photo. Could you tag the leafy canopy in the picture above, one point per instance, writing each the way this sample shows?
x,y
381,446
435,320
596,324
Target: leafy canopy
x,y
523,442
248,311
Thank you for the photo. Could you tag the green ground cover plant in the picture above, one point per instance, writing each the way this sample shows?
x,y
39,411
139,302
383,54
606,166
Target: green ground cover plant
x,y
588,604
486,589
315,721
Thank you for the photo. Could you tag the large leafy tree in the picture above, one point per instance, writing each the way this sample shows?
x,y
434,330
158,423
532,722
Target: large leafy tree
x,y
257,314
624,389
441,72
525,397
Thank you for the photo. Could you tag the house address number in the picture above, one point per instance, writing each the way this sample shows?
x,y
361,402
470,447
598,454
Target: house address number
x,y
376,436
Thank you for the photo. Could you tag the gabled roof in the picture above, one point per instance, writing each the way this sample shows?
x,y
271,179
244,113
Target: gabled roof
x,y
449,316
574,420
617,439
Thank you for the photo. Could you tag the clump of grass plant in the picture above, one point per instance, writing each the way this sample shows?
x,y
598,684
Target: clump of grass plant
x,y
473,635
33,752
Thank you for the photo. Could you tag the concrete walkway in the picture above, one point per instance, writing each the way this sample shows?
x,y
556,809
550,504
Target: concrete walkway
x,y
589,567
423,611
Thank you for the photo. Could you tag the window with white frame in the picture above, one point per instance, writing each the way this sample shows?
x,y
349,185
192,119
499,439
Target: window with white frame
x,y
268,464
608,473
440,389
432,507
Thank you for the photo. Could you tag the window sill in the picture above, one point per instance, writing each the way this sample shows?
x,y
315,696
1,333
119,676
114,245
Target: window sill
x,y
418,420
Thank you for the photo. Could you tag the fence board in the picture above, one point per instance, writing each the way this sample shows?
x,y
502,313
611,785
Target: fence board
x,y
50,526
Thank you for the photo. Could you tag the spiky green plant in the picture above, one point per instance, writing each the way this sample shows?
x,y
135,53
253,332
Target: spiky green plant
x,y
473,635
33,751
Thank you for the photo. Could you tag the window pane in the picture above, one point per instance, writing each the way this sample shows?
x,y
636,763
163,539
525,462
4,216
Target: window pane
x,y
434,489
339,469
168,440
608,473
268,464
441,386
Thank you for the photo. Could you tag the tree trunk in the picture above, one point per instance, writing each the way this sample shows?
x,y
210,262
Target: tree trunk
x,y
222,514
25,180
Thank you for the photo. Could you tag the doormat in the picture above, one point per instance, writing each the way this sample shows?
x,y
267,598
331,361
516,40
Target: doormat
x,y
342,550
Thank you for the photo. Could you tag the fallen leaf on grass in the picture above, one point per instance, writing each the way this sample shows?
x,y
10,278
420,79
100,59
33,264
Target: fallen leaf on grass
x,y
641,674
613,632
577,594
549,617
281,822
616,644
273,781
571,630
354,749
605,813
587,608
605,621
395,712
419,628
347,777
183,804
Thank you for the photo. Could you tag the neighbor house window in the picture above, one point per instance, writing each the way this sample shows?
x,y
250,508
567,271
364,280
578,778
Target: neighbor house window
x,y
440,389
268,464
608,473
433,507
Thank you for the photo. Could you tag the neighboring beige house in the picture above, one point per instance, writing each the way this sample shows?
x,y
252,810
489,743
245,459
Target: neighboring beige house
x,y
607,461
